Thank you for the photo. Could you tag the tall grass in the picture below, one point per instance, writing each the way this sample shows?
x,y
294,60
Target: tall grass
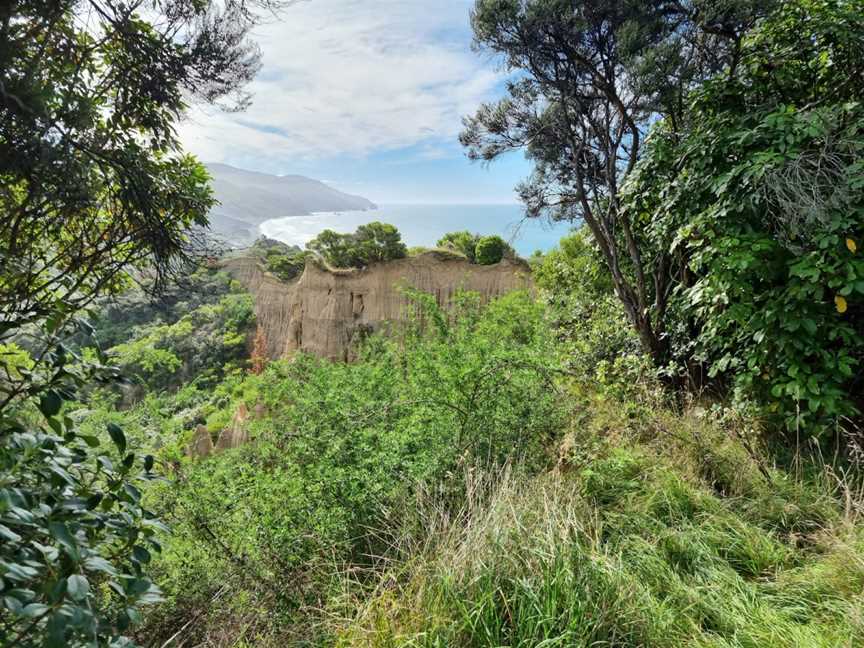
x,y
680,540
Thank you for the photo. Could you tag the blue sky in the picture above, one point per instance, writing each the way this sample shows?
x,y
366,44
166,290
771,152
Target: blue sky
x,y
367,95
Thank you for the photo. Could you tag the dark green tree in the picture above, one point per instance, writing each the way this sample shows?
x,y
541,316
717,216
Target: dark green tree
x,y
762,194
370,243
93,187
92,177
591,77
464,242
335,248
379,242
490,250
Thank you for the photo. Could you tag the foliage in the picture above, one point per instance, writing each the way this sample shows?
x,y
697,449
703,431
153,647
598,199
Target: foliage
x,y
464,242
338,449
76,537
493,248
117,318
285,261
639,541
94,189
370,243
92,177
588,319
286,266
490,250
590,77
197,346
763,199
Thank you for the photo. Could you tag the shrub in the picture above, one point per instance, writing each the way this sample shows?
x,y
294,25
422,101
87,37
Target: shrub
x,y
490,250
343,445
287,266
632,549
197,346
370,243
600,345
762,199
464,242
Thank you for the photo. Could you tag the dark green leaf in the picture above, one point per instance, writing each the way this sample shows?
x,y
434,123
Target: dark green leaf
x,y
117,437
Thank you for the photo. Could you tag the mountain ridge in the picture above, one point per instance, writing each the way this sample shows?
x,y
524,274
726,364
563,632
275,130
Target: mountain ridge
x,y
248,198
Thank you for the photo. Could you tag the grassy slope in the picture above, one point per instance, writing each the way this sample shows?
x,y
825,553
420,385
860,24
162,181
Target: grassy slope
x,y
359,514
660,531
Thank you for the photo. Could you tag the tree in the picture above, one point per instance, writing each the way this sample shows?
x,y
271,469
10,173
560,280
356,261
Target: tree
x,y
761,191
592,76
93,187
93,181
335,248
379,242
490,250
494,249
464,242
370,243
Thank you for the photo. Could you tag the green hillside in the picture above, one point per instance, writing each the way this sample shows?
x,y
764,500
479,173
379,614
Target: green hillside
x,y
656,444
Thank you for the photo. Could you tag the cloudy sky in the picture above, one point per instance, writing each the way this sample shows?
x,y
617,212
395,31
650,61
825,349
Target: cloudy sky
x,y
367,95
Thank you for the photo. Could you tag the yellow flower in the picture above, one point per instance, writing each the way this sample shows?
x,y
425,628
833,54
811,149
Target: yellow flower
x,y
853,248
842,306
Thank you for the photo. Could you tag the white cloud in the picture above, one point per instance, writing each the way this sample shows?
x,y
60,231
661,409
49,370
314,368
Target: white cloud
x,y
352,77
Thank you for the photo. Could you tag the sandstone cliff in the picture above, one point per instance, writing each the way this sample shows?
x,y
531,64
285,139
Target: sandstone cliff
x,y
324,311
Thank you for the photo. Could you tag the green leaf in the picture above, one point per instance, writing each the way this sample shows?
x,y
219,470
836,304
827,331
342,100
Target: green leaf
x,y
141,554
77,587
50,403
34,610
117,436
97,563
60,532
90,440
9,534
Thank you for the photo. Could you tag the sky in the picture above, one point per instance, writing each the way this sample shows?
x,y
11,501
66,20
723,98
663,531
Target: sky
x,y
368,96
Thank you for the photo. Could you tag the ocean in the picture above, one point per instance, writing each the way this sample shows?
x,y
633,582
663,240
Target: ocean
x,y
425,224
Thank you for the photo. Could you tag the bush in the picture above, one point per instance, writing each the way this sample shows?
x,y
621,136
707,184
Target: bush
x,y
287,266
370,243
197,346
629,547
762,199
117,318
490,250
75,535
464,242
341,448
600,345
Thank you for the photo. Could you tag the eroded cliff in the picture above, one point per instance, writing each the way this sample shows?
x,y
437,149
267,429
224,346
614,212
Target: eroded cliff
x,y
324,311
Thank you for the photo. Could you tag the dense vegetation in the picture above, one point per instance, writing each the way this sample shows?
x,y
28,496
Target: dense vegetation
x,y
722,191
95,193
661,447
484,250
498,475
370,243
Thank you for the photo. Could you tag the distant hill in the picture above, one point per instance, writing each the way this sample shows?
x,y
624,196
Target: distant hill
x,y
249,198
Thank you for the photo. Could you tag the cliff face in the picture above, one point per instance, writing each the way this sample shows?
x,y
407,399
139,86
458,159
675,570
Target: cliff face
x,y
324,311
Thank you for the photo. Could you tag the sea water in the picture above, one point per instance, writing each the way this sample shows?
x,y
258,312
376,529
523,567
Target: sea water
x,y
423,225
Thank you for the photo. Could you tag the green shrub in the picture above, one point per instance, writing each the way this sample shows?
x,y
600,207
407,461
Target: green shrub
x,y
490,250
762,201
370,243
464,242
342,447
197,346
631,550
287,266
598,341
